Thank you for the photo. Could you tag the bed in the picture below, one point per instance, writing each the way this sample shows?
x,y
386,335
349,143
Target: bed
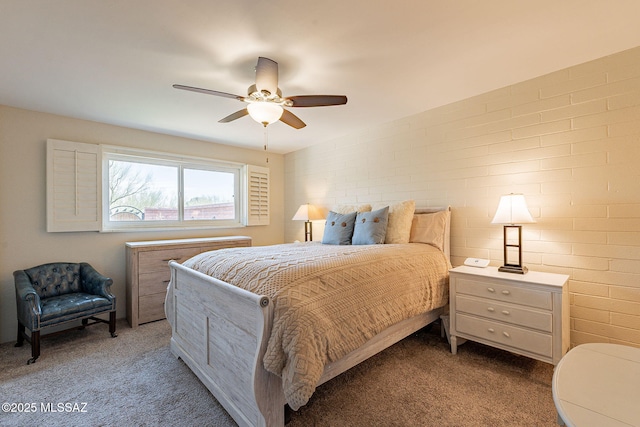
x,y
261,327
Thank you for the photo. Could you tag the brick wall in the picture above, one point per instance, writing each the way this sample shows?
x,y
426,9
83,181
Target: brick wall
x,y
203,212
569,140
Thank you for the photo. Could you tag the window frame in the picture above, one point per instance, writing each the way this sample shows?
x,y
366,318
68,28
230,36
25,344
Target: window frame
x,y
181,162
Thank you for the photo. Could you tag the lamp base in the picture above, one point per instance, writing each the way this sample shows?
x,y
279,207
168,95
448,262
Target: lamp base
x,y
308,231
517,269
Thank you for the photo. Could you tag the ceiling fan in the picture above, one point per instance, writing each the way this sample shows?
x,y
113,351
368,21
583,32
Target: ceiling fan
x,y
265,101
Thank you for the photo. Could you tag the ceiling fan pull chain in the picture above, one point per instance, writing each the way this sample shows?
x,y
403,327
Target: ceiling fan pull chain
x,y
266,142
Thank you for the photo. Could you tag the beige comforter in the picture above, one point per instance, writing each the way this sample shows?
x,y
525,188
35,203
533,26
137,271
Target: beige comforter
x,y
329,300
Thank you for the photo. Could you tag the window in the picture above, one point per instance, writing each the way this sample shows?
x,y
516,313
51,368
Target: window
x,y
106,188
209,195
151,190
142,191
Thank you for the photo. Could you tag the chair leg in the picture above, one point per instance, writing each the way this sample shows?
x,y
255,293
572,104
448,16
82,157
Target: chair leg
x,y
112,324
20,339
35,347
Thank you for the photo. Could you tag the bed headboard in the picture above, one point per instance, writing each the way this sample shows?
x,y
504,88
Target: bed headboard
x,y
447,231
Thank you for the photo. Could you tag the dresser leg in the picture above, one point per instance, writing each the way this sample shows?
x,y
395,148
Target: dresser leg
x,y
454,344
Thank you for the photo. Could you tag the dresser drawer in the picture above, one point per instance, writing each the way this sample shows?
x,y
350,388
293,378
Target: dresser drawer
x,y
508,335
152,261
503,292
496,310
153,283
151,307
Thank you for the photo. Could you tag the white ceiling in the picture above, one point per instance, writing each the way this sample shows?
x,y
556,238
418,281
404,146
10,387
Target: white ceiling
x,y
114,61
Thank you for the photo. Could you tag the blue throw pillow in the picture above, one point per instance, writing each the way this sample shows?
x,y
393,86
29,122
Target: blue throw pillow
x,y
371,227
339,228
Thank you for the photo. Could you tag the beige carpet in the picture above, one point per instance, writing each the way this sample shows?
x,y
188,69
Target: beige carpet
x,y
134,380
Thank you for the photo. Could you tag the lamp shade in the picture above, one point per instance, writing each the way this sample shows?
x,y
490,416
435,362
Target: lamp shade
x,y
265,112
307,212
512,209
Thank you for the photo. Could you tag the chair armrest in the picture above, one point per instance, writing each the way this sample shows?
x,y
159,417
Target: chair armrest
x,y
27,301
95,283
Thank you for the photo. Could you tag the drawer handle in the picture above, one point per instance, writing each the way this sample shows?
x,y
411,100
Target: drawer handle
x,y
491,330
505,292
505,312
491,289
506,334
491,309
167,281
172,259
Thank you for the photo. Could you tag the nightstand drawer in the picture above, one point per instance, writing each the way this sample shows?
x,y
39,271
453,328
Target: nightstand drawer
x,y
517,315
512,336
506,293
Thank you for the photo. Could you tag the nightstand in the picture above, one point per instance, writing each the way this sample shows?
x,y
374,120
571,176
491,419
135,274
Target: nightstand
x,y
526,314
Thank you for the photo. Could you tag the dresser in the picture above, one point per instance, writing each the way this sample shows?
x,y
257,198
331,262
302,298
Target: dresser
x,y
148,271
526,314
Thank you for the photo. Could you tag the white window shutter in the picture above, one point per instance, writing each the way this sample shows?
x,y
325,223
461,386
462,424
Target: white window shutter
x,y
73,186
257,195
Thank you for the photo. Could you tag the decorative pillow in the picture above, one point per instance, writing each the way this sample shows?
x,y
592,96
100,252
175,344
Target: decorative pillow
x,y
400,218
371,227
345,209
430,228
338,228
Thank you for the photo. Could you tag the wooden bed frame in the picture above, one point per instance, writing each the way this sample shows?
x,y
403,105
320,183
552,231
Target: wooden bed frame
x,y
221,332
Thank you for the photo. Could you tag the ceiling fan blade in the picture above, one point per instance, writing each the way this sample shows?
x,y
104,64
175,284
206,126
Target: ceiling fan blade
x,y
209,92
267,75
234,116
317,100
292,120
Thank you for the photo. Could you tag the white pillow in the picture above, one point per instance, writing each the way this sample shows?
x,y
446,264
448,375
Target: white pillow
x,y
399,223
345,209
430,228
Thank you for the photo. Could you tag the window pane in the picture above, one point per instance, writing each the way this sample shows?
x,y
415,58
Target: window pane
x,y
209,195
142,192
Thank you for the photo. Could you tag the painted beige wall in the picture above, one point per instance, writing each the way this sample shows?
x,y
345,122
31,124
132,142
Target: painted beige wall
x,y
570,141
25,243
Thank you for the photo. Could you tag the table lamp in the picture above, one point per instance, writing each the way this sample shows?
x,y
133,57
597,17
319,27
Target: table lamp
x,y
307,213
512,211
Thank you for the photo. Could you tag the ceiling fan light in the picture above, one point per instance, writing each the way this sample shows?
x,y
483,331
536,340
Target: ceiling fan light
x,y
265,112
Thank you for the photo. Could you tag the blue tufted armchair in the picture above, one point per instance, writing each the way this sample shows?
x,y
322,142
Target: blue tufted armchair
x,y
56,293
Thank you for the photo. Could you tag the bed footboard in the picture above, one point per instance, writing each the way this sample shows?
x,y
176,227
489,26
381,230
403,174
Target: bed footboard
x,y
221,331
